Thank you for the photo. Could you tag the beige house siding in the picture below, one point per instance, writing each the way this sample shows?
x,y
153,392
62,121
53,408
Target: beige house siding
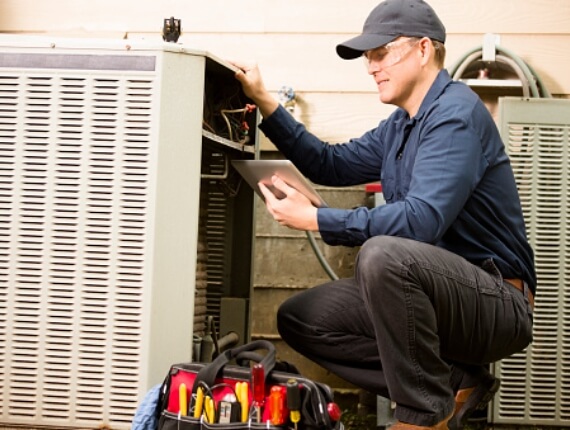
x,y
293,41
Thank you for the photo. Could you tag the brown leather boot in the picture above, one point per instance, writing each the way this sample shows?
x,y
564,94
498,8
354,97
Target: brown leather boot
x,y
468,400
442,425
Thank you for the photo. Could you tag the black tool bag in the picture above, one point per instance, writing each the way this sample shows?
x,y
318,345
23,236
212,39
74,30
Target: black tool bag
x,y
185,403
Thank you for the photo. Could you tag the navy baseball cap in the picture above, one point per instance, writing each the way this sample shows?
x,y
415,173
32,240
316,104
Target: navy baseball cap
x,y
390,20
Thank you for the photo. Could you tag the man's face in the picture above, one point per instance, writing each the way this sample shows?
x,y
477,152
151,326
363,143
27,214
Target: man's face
x,y
389,67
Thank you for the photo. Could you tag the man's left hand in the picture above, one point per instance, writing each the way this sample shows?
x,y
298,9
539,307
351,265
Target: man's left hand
x,y
294,210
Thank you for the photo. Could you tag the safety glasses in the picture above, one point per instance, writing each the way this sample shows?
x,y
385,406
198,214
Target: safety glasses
x,y
390,54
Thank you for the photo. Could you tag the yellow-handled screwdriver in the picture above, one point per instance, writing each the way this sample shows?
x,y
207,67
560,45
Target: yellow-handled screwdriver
x,y
294,401
210,415
199,405
182,400
242,393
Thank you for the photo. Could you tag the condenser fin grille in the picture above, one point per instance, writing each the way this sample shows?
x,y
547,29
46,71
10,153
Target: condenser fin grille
x,y
535,385
74,185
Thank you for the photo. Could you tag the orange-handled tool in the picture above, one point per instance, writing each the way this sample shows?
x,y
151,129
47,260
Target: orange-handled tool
x,y
277,408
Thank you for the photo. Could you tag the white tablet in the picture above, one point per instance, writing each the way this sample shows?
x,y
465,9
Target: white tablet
x,y
254,171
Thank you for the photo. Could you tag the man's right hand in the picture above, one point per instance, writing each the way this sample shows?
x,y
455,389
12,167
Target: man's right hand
x,y
253,87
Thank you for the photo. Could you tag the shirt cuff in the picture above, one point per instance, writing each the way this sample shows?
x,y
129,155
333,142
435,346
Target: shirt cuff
x,y
332,226
279,126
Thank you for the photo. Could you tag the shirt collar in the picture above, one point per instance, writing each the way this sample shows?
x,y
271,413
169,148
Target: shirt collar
x,y
442,80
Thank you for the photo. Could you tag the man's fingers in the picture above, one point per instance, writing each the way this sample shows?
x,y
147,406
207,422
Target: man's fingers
x,y
267,194
241,65
281,185
240,76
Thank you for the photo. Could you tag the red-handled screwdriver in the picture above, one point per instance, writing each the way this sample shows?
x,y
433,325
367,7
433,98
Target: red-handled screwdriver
x,y
294,401
258,388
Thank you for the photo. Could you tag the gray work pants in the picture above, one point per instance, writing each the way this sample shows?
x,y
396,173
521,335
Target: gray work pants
x,y
411,311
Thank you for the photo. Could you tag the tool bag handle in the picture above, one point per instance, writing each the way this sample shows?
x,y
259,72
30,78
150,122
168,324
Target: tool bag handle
x,y
210,372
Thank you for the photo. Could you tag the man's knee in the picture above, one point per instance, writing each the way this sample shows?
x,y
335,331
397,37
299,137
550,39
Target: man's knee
x,y
287,320
283,314
379,251
381,263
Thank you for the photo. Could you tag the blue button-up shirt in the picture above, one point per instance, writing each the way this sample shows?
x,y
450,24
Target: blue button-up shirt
x,y
445,177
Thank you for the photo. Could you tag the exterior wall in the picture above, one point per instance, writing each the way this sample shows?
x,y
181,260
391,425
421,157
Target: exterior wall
x,y
294,42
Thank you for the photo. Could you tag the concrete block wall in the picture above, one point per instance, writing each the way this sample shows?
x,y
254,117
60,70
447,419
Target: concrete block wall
x,y
285,264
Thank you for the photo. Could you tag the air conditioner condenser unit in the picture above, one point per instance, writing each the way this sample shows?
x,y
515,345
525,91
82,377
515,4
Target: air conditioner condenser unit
x,y
101,145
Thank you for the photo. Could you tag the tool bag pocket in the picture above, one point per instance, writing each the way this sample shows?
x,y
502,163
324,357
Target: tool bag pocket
x,y
170,421
224,396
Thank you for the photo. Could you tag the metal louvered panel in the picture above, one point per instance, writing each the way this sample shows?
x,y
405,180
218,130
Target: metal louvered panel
x,y
536,383
77,184
99,184
78,218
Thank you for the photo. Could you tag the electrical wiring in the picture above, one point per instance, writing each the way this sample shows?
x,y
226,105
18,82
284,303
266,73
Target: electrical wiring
x,y
208,126
227,112
234,126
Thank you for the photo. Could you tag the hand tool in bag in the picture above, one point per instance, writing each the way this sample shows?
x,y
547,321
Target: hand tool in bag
x,y
199,403
277,408
258,388
210,410
182,400
229,410
242,393
294,401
